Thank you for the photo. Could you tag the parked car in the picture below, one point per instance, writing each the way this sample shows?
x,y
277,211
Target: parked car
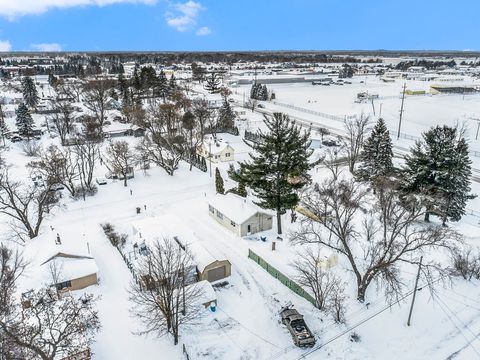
x,y
16,138
56,187
101,181
301,334
330,142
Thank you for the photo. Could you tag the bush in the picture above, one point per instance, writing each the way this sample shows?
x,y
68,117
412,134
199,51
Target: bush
x,y
117,240
81,192
466,264
31,148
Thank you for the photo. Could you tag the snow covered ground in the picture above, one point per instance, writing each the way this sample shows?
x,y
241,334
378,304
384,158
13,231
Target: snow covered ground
x,y
246,323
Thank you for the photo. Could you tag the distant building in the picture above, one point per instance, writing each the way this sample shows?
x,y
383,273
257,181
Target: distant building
x,y
452,89
239,215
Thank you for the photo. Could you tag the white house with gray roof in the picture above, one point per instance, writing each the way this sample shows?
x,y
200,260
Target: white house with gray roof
x,y
239,215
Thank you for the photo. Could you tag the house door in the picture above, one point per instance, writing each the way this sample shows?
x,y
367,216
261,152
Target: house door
x,y
216,274
249,229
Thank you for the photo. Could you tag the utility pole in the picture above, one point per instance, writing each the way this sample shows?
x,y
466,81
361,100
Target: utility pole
x,y
184,311
401,110
210,156
414,291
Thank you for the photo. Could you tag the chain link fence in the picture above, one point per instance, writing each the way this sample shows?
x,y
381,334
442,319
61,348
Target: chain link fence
x,y
292,285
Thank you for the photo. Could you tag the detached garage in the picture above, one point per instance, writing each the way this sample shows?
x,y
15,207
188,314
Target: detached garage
x,y
210,264
209,267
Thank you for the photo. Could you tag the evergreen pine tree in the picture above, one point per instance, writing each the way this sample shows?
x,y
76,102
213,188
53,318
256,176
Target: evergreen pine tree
x,y
241,190
278,166
137,83
212,83
254,90
226,116
219,182
161,88
172,83
377,154
30,93
439,170
24,120
458,193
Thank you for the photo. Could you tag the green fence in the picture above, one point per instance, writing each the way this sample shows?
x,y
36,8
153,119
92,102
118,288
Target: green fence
x,y
292,285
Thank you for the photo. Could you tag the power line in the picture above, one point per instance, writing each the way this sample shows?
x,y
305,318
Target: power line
x,y
469,342
362,321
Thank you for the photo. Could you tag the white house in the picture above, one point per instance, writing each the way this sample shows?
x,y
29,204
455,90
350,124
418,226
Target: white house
x,y
216,150
238,214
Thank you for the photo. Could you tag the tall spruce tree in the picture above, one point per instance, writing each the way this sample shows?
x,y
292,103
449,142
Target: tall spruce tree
x,y
212,83
226,116
219,186
172,84
377,154
278,166
161,87
30,93
24,121
439,170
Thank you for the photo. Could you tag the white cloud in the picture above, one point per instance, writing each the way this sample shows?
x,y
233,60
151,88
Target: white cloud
x,y
185,15
5,46
203,31
47,47
15,8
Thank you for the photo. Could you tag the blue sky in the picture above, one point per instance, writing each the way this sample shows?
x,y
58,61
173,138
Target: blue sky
x,y
104,25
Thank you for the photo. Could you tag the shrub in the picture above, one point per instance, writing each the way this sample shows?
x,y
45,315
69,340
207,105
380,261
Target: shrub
x,y
466,264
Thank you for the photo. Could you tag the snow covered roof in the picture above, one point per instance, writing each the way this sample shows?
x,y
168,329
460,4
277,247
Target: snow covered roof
x,y
216,146
69,267
236,208
172,227
205,290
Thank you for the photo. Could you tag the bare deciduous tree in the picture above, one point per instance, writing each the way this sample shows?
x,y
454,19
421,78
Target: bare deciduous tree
x,y
163,143
87,154
356,130
161,299
58,167
62,119
119,159
333,161
11,267
310,274
53,327
96,98
202,113
388,235
27,206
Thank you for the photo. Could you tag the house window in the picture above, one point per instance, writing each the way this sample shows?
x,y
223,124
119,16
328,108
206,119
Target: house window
x,y
232,223
63,285
219,215
227,154
216,156
211,209
249,228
